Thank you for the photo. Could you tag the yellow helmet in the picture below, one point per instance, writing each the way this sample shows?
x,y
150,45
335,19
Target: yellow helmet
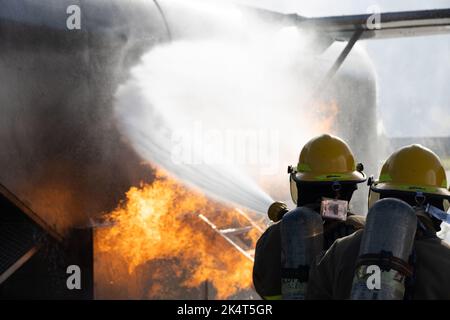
x,y
411,169
325,158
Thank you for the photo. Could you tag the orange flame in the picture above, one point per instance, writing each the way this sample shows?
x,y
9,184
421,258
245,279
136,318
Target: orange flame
x,y
158,247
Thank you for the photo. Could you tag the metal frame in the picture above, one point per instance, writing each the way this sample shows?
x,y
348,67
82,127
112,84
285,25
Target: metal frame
x,y
20,262
230,234
340,60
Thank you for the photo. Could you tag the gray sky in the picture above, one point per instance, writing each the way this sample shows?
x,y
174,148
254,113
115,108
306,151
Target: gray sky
x,y
413,73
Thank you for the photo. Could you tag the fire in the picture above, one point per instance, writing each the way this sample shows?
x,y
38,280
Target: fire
x,y
161,245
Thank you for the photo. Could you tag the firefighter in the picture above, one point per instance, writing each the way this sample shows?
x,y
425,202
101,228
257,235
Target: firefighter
x,y
326,170
415,175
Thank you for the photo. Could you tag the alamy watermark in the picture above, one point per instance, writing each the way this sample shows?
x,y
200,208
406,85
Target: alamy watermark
x,y
251,147
73,21
374,20
373,281
73,281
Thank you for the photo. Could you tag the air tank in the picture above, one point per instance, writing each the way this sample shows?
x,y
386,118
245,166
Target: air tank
x,y
386,246
301,243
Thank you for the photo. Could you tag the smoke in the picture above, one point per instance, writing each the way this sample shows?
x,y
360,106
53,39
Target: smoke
x,y
224,110
60,150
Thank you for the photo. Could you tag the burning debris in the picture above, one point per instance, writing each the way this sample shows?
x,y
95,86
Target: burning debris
x,y
167,241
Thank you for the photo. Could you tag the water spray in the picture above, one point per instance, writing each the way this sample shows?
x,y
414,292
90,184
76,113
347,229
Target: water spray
x,y
214,109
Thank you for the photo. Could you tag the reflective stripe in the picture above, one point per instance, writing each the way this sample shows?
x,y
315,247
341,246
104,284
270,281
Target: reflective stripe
x,y
303,167
405,187
277,297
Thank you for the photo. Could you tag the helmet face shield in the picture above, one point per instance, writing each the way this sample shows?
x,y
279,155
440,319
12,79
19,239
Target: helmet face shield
x,y
293,188
373,197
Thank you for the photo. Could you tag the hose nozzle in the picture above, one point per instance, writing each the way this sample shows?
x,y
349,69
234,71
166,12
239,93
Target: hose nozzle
x,y
277,210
